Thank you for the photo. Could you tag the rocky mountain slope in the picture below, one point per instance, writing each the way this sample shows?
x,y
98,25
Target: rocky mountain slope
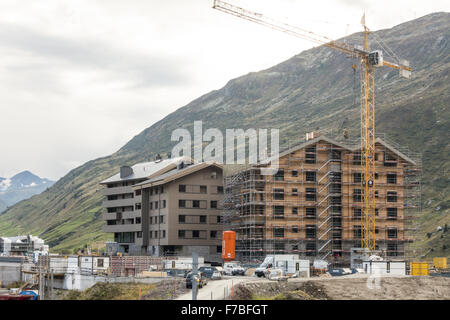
x,y
316,89
20,187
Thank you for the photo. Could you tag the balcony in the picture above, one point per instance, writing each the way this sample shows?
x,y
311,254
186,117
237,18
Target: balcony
x,y
118,190
122,228
118,203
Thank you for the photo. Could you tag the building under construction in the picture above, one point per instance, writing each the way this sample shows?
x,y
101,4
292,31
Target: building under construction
x,y
312,205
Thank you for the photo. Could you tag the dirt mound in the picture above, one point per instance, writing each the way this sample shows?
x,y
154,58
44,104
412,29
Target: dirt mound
x,y
348,288
280,291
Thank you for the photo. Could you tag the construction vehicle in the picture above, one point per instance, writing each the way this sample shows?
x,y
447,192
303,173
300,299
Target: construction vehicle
x,y
369,61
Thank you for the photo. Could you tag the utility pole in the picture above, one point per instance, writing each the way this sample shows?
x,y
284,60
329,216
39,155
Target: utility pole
x,y
194,275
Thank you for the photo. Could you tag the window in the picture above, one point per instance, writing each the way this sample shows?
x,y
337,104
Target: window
x,y
150,234
163,204
295,210
376,194
195,203
100,262
203,189
138,192
182,188
335,188
278,194
335,177
310,248
357,158
138,220
357,177
357,232
151,205
279,176
156,234
294,192
376,156
391,196
389,160
294,173
220,189
391,249
278,232
335,155
156,204
278,211
161,219
392,233
202,219
219,249
213,204
392,213
195,234
151,220
310,194
219,219
181,234
294,229
376,176
310,231
310,155
377,211
213,234
137,206
356,213
357,195
181,219
181,203
310,213
163,234
391,178
310,176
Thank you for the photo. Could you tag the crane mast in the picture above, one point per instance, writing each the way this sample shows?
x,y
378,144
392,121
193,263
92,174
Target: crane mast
x,y
369,60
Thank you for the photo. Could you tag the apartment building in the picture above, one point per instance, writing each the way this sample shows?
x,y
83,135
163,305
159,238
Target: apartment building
x,y
166,207
312,205
122,214
180,212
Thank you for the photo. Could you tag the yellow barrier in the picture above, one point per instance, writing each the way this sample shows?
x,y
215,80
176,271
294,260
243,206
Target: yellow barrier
x,y
420,269
440,263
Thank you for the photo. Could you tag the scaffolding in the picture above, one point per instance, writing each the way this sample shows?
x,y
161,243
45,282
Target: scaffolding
x,y
271,217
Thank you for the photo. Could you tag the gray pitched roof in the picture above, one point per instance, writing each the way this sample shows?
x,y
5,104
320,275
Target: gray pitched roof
x,y
176,173
146,169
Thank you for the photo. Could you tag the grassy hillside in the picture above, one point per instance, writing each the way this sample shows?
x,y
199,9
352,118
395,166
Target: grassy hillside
x,y
316,89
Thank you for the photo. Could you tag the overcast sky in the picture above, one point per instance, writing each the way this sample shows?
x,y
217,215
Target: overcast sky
x,y
78,79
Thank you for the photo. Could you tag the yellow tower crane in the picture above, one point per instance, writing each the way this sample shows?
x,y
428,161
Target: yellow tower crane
x,y
369,60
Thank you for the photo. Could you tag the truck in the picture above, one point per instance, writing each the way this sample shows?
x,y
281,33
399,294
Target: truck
x,y
290,264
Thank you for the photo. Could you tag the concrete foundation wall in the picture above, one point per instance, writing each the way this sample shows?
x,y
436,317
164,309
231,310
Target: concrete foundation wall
x,y
9,272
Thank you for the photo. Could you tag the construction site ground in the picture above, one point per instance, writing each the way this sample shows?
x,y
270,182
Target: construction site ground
x,y
351,287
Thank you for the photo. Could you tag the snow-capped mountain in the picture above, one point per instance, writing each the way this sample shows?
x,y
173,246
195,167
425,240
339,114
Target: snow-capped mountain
x,y
20,187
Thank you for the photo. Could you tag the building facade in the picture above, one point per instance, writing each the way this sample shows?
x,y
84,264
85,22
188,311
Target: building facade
x,y
172,211
122,214
312,205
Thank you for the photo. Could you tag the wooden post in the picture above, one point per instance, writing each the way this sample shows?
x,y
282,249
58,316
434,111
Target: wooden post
x,y
175,287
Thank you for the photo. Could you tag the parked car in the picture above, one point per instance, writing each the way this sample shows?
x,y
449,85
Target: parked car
x,y
202,279
211,272
233,268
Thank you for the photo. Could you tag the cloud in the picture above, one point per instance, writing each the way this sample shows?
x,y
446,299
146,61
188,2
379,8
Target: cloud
x,y
148,70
